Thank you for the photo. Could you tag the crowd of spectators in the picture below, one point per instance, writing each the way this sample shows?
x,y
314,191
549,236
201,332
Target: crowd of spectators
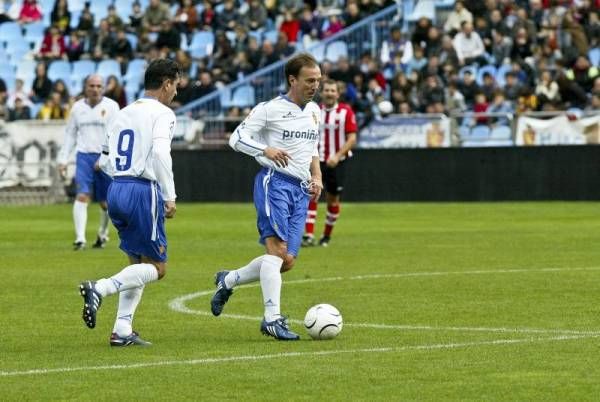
x,y
539,50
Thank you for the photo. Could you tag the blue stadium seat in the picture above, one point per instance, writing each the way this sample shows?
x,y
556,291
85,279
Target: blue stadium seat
x,y
109,67
271,35
99,9
501,74
131,92
471,68
133,40
464,132
10,32
34,33
446,4
75,17
243,96
46,6
485,69
202,44
16,51
76,5
8,75
81,69
501,133
60,69
135,72
26,69
257,35
335,50
422,9
123,9
480,132
318,52
594,55
225,97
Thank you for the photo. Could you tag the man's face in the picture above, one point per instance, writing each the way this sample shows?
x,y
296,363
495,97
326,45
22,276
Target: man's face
x,y
171,88
330,95
305,86
93,89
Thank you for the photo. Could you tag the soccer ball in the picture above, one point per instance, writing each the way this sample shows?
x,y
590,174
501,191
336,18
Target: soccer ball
x,y
323,321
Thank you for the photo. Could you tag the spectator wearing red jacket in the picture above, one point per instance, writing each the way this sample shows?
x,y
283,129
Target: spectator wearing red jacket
x,y
53,45
30,12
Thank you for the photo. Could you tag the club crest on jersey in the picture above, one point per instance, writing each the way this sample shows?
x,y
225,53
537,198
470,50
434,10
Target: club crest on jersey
x,y
103,112
315,118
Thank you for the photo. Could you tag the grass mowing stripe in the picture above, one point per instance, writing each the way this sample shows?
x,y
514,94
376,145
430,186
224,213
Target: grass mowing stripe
x,y
291,354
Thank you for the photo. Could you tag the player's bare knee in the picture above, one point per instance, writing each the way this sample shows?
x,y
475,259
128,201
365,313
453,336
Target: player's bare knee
x,y
288,263
82,197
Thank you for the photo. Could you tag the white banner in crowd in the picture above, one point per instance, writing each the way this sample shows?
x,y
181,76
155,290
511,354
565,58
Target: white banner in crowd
x,y
406,132
559,130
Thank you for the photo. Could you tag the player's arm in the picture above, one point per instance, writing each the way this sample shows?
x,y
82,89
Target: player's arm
x,y
70,140
242,139
163,164
316,180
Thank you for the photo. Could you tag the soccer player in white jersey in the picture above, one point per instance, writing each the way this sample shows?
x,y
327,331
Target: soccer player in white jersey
x,y
282,135
85,132
141,196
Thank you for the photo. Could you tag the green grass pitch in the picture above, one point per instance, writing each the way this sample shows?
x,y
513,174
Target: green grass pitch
x,y
462,302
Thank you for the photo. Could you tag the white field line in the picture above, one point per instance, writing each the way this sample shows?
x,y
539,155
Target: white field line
x,y
215,360
179,304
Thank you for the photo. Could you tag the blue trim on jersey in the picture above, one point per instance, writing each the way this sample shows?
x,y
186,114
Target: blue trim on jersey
x,y
285,97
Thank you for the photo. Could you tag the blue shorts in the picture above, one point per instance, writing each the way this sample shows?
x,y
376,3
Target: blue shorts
x,y
137,210
88,179
281,207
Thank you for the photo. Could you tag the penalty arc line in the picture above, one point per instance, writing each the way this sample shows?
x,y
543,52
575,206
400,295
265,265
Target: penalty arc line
x,y
215,360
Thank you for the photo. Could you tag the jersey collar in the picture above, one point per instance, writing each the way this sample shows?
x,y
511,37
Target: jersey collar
x,y
285,97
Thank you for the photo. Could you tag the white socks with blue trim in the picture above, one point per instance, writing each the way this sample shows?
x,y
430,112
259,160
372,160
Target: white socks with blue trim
x,y
246,274
270,282
133,276
80,220
128,302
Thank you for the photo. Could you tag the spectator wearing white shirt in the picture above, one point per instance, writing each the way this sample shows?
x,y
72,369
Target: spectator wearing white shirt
x,y
456,18
469,46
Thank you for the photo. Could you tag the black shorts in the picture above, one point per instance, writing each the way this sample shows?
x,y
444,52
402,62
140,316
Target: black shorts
x,y
333,178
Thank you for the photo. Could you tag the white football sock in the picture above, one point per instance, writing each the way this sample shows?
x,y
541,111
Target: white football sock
x,y
133,276
270,282
103,228
128,302
80,220
246,274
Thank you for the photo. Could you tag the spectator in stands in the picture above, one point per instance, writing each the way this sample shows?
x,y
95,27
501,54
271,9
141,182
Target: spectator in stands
x,y
223,52
432,96
488,86
343,70
402,89
240,66
86,21
30,12
448,53
52,109
145,46
53,45
185,91
310,27
228,17
455,101
468,87
583,73
332,25
290,26
256,16
501,48
594,105
432,68
283,47
208,17
405,108
121,49
269,55
114,21
547,89
570,92
254,52
102,42
421,32
204,86
185,61
522,47
20,111
4,11
512,87
326,6
500,105
592,29
61,16
61,89
115,91
42,86
576,32
480,106
434,42
418,61
136,18
283,6
155,14
75,48
469,46
396,46
523,21
186,17
456,18
496,23
527,101
352,14
168,39
17,92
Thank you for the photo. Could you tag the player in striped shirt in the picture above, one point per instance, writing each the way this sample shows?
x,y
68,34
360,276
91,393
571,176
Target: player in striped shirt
x,y
338,136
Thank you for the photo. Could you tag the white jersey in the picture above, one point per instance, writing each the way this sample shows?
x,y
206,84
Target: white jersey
x,y
86,127
139,144
282,124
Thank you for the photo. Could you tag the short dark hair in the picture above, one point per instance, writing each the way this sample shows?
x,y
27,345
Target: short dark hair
x,y
295,64
331,81
160,70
